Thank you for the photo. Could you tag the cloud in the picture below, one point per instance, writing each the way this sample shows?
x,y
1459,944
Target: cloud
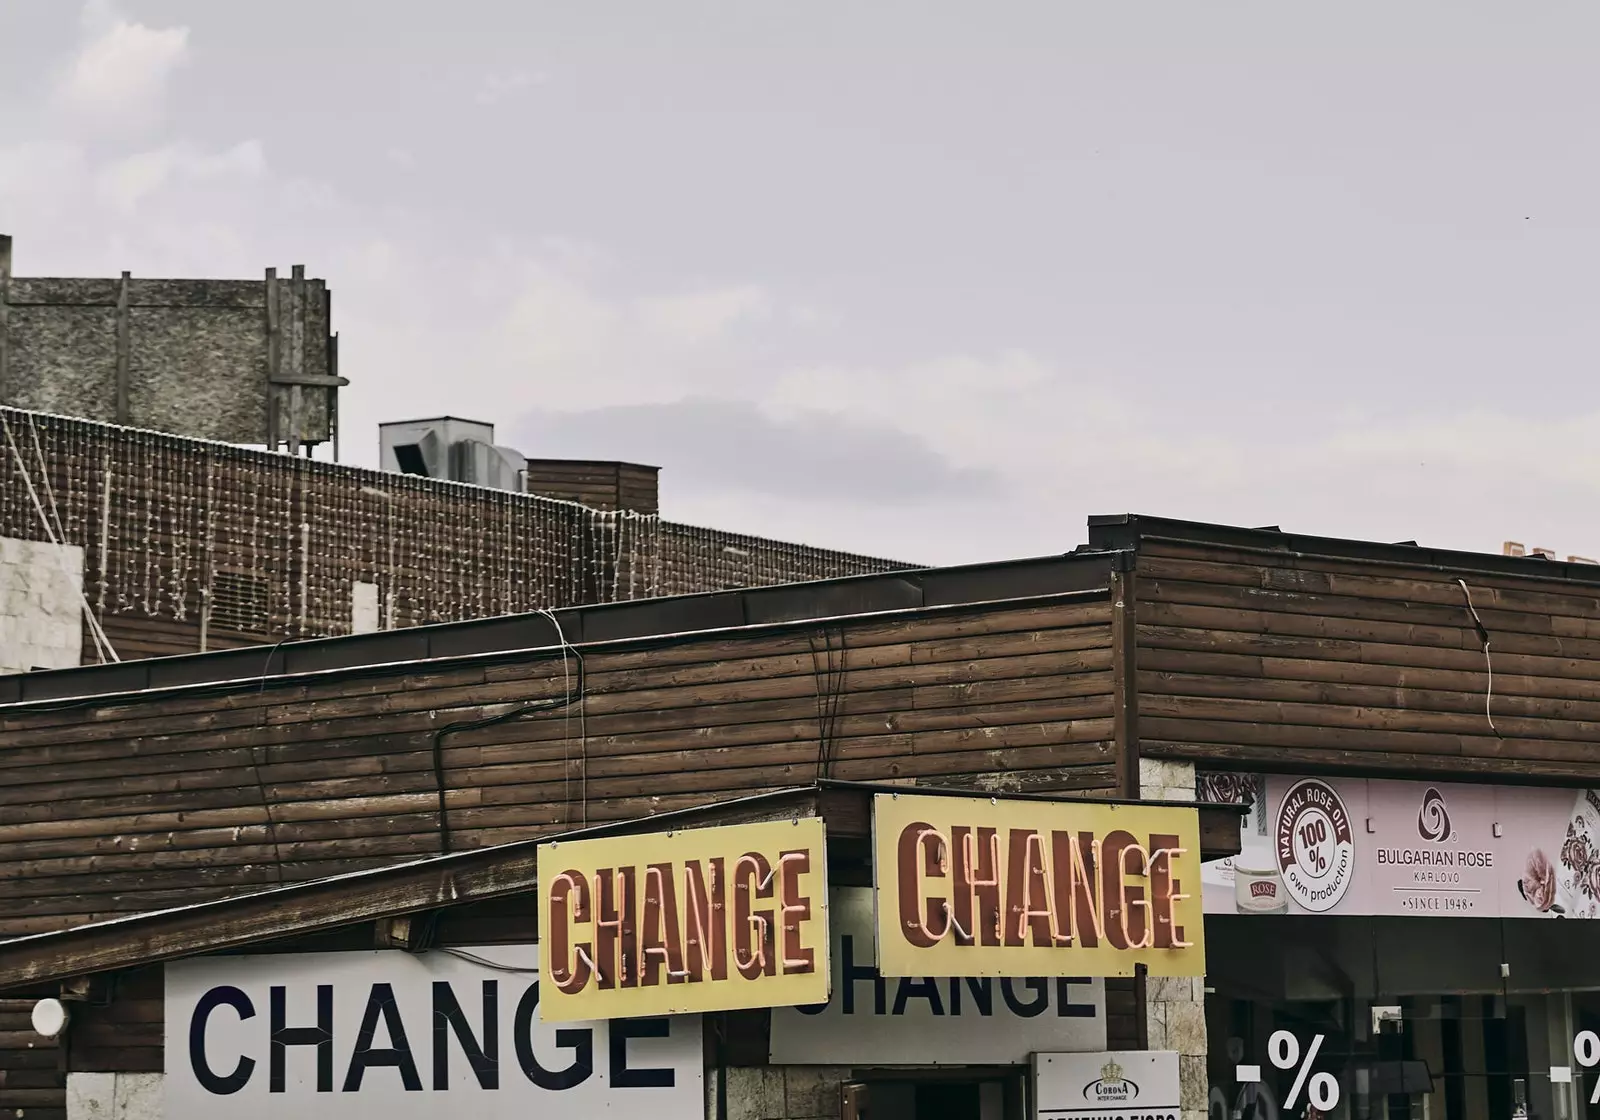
x,y
761,421
586,345
120,73
554,321
126,182
1012,411
498,86
728,446
703,316
33,174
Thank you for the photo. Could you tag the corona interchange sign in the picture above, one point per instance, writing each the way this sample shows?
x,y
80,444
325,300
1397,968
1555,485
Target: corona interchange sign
x,y
983,887
707,919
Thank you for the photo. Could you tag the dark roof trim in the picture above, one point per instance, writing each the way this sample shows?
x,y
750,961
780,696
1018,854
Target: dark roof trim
x,y
436,419
679,618
457,879
1126,531
592,463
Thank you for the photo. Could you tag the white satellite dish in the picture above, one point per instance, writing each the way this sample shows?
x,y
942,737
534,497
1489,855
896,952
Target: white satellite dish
x,y
49,1017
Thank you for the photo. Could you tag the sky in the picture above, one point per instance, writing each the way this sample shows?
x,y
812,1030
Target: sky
x,y
932,281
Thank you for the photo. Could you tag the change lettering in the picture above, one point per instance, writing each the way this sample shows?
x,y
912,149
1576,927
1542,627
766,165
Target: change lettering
x,y
382,1052
981,886
704,920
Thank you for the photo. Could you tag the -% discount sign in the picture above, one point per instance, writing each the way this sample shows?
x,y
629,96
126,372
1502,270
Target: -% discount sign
x,y
1283,1049
1586,1048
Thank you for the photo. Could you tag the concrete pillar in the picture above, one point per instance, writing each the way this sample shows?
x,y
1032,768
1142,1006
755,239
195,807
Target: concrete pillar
x,y
779,1092
1175,1007
113,1096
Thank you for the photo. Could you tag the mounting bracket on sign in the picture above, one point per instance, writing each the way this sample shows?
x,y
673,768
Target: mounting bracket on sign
x,y
1387,1014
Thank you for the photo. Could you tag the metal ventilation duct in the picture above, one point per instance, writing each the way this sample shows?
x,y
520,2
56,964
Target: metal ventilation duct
x,y
451,448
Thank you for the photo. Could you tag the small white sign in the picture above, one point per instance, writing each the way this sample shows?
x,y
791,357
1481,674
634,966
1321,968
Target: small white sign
x,y
880,1020
389,1035
1125,1085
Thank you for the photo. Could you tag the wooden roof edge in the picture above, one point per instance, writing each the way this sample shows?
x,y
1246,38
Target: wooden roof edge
x,y
627,624
319,905
1131,530
456,879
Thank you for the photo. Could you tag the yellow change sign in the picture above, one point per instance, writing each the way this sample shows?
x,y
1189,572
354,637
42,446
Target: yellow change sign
x,y
983,887
705,919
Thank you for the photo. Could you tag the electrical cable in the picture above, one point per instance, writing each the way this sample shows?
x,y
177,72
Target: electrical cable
x,y
60,545
96,630
566,727
474,725
493,966
830,692
255,767
1488,661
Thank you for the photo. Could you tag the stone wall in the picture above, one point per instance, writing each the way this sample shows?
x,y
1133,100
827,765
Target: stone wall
x,y
1175,1007
230,360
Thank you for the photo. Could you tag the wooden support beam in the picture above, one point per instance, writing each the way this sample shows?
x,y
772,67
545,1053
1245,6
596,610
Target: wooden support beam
x,y
5,315
1124,665
297,355
274,358
395,933
313,379
124,353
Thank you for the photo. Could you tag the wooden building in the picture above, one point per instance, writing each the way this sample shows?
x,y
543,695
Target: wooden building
x,y
111,972
1119,669
153,544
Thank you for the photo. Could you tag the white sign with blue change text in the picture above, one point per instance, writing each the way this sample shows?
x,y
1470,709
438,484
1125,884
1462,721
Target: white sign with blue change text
x,y
876,1020
395,1035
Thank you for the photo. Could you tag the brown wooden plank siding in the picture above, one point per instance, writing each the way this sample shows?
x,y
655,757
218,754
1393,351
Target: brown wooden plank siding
x,y
32,1071
156,801
596,484
638,488
133,636
1122,1014
1249,658
124,1035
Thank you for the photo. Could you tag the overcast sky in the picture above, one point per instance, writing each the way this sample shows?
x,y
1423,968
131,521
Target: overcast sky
x,y
933,281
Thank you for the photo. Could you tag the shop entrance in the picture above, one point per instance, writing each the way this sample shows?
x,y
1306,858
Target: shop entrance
x,y
1415,1018
957,1094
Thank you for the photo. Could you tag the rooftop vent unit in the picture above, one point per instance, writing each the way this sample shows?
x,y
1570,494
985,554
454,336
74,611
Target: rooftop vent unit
x,y
453,449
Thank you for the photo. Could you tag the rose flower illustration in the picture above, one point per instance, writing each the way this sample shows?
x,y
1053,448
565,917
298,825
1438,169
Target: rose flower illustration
x,y
1538,882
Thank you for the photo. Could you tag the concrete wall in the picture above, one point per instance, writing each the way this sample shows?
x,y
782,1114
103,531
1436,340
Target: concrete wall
x,y
365,617
114,1096
779,1092
41,612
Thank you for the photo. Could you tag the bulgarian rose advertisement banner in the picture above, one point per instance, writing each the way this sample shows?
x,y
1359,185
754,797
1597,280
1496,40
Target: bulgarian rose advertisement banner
x,y
1439,849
